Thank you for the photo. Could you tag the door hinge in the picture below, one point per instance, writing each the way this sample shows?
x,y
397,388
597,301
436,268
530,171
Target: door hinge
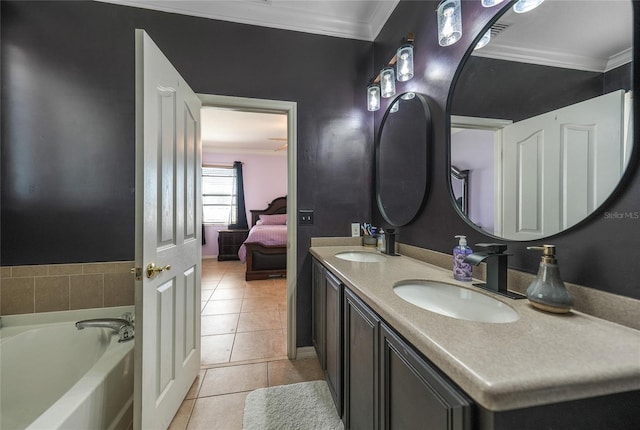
x,y
137,271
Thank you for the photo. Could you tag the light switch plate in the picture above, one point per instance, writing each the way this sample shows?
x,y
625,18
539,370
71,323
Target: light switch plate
x,y
305,217
355,229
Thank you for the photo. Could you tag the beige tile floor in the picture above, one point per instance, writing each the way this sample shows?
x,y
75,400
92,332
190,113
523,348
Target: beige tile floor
x,y
244,326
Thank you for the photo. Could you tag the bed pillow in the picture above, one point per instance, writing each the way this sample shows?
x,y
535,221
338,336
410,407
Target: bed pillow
x,y
279,219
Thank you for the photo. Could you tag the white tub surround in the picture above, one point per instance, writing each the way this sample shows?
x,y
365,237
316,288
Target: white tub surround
x,y
539,359
57,377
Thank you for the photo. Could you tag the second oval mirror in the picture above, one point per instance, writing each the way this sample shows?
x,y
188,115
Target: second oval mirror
x,y
540,118
402,151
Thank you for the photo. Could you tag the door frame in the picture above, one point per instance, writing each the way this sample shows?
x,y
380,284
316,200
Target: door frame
x,y
495,125
290,109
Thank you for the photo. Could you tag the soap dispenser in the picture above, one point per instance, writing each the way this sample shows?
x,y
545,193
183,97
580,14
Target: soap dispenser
x,y
547,292
462,271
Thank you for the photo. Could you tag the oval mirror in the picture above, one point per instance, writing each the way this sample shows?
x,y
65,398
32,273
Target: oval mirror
x,y
541,118
402,173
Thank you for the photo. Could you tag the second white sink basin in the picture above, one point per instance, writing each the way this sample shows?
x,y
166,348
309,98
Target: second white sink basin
x,y
454,301
362,257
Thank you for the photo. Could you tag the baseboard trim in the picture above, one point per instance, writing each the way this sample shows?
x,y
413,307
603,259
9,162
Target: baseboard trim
x,y
305,352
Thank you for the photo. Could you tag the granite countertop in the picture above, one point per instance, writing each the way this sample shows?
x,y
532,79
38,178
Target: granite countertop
x,y
541,358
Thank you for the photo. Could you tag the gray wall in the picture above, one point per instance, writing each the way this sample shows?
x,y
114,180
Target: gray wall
x,y
68,130
68,133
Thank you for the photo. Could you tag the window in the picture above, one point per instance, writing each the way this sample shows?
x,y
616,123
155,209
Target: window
x,y
219,194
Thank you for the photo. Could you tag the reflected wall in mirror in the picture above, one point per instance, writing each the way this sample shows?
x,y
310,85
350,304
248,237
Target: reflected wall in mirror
x,y
402,159
541,117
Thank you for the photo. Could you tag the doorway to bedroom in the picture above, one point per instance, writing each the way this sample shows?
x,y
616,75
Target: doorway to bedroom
x,y
248,304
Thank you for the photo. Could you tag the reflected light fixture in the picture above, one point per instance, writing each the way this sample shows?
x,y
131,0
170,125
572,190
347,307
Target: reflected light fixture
x,y
387,82
408,96
394,107
449,22
373,97
523,6
484,41
404,62
491,3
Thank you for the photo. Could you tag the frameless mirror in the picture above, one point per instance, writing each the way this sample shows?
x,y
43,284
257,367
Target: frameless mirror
x,y
402,158
541,117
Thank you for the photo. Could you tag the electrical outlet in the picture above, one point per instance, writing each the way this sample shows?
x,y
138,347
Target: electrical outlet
x,y
355,229
305,217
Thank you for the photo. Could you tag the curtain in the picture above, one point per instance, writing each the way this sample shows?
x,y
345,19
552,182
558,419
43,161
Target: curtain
x,y
238,214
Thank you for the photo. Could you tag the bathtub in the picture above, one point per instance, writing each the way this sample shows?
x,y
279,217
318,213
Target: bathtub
x,y
53,376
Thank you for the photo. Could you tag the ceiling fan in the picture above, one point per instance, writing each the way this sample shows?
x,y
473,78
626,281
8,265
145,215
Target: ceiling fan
x,y
280,139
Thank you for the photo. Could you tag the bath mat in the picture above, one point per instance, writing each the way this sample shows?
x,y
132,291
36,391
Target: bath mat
x,y
307,405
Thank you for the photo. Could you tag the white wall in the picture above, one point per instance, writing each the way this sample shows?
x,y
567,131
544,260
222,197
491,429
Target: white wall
x,y
473,150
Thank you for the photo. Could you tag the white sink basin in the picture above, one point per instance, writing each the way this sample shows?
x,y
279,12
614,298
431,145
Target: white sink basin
x,y
454,301
362,257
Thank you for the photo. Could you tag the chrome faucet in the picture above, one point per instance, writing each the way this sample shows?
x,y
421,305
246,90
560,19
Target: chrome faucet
x,y
123,326
496,268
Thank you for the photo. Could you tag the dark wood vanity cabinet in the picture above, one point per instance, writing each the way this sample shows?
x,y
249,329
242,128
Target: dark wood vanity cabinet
x,y
414,394
379,381
327,328
376,378
318,282
361,328
333,338
229,242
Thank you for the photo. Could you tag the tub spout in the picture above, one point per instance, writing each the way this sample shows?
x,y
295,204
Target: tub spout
x,y
122,326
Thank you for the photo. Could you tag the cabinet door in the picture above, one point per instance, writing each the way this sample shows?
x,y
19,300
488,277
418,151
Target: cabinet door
x,y
414,395
361,328
318,310
333,338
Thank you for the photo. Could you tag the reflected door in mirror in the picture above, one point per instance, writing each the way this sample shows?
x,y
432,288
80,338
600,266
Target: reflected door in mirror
x,y
550,64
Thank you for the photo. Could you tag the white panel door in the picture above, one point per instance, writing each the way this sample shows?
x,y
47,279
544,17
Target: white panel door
x,y
529,171
560,166
168,216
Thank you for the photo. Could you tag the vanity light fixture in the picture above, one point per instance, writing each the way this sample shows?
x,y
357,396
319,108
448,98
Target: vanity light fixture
x,y
384,84
449,22
373,97
523,6
404,63
484,41
387,82
490,3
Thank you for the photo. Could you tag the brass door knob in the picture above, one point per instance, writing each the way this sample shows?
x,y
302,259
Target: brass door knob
x,y
153,270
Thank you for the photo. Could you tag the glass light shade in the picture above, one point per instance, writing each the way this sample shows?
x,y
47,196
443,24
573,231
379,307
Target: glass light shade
x,y
394,107
491,3
404,62
387,82
484,41
523,6
449,22
373,97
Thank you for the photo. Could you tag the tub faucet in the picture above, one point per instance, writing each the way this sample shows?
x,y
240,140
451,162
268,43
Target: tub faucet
x,y
123,326
496,268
